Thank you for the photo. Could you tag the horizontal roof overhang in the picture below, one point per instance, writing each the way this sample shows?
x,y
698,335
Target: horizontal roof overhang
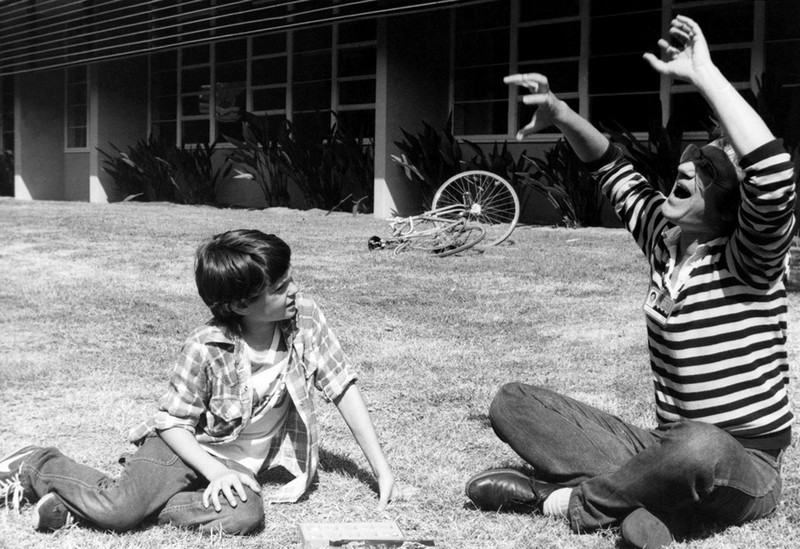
x,y
46,34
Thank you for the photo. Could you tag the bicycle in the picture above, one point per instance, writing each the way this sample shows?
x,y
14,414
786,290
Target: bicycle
x,y
443,231
488,199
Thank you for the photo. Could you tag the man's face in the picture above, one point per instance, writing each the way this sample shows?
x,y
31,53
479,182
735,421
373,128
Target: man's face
x,y
696,200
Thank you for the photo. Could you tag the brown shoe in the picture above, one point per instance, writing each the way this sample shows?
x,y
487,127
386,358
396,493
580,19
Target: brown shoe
x,y
644,530
507,490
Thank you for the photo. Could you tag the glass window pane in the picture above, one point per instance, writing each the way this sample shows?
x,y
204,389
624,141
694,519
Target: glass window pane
x,y
633,32
357,61
734,64
359,124
357,31
311,126
536,11
482,48
195,55
196,104
620,74
608,7
165,131
165,108
481,118
269,44
195,131
269,99
563,76
193,80
271,70
231,50
232,72
481,83
483,16
550,41
356,91
726,23
312,66
312,96
783,62
317,38
691,112
782,17
635,113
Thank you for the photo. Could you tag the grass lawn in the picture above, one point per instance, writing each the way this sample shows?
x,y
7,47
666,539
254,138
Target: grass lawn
x,y
97,299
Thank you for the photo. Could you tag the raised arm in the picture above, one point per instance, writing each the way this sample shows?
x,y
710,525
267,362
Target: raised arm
x,y
687,58
586,140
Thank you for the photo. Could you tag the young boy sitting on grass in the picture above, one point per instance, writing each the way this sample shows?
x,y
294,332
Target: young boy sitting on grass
x,y
239,401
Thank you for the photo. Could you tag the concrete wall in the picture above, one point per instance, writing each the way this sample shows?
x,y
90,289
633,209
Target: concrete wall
x,y
413,85
76,172
39,146
120,109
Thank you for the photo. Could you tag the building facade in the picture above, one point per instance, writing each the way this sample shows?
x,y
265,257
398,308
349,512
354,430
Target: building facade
x,y
77,75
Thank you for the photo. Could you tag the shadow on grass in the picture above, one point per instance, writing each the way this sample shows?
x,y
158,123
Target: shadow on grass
x,y
334,463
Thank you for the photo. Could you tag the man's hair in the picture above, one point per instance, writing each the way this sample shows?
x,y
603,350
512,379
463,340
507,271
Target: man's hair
x,y
237,266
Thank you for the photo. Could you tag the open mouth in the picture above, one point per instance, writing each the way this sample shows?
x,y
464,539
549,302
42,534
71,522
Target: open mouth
x,y
681,191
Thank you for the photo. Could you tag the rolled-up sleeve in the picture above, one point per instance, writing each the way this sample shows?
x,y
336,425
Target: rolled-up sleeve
x,y
326,358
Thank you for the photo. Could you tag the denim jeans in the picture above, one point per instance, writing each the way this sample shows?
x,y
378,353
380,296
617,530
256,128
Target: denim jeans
x,y
154,483
679,471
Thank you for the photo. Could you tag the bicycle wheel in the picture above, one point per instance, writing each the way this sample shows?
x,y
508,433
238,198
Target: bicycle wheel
x,y
488,198
466,239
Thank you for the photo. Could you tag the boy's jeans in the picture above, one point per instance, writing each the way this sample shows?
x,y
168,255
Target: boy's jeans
x,y
677,471
154,482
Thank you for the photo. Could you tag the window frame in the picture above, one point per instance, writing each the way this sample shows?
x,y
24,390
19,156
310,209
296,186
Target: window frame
x,y
69,105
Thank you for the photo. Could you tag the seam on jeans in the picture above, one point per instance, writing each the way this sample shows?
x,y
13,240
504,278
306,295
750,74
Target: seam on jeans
x,y
71,480
171,461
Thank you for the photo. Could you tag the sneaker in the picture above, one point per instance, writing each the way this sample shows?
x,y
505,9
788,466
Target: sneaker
x,y
644,530
11,490
50,514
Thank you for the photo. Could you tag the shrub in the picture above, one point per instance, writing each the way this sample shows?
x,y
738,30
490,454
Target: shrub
x,y
321,166
156,169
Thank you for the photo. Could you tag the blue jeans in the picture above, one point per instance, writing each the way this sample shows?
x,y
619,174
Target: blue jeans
x,y
154,483
679,471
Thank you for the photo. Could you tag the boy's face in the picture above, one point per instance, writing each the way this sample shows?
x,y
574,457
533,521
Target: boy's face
x,y
274,304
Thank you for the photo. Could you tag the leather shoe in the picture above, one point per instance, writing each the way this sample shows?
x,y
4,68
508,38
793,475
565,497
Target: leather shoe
x,y
644,530
507,490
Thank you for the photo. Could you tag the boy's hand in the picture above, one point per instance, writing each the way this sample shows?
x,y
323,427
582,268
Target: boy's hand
x,y
548,104
388,490
228,483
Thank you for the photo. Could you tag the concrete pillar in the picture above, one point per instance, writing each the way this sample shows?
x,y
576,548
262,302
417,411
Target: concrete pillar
x,y
39,143
118,115
413,85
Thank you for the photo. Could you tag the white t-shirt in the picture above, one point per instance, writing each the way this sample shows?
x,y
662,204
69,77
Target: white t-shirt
x,y
270,409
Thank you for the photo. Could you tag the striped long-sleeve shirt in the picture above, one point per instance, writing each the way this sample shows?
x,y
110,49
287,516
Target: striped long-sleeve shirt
x,y
721,355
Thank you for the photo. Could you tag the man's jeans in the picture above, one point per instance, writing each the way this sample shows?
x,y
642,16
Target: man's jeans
x,y
678,471
154,483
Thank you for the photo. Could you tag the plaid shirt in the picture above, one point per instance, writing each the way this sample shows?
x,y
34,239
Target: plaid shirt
x,y
210,393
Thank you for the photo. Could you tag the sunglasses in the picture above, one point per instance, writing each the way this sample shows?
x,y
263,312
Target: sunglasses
x,y
694,154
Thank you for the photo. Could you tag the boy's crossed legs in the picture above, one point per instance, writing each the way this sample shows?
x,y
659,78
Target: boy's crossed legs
x,y
154,482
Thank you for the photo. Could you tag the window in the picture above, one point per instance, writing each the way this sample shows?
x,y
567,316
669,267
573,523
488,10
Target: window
x,y
77,94
199,92
6,114
591,52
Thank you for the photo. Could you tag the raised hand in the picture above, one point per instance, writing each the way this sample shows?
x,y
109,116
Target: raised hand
x,y
685,54
540,95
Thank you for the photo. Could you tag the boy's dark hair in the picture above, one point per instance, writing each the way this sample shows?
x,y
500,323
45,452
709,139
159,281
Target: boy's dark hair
x,y
237,266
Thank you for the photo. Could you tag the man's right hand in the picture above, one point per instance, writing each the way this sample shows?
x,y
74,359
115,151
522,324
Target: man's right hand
x,y
540,94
